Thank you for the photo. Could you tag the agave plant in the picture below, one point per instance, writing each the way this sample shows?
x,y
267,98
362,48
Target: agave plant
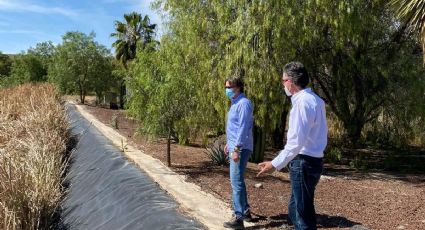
x,y
217,155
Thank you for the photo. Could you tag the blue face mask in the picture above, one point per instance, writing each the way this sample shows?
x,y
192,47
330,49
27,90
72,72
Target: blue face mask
x,y
230,93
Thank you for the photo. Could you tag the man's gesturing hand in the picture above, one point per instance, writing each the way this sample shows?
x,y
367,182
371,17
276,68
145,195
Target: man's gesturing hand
x,y
264,167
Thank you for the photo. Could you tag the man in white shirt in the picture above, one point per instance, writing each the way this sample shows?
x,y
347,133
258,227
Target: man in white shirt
x,y
306,141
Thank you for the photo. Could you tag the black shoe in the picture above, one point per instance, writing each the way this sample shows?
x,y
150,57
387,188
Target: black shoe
x,y
247,216
234,223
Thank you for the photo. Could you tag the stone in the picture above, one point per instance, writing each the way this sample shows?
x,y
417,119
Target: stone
x,y
358,227
258,185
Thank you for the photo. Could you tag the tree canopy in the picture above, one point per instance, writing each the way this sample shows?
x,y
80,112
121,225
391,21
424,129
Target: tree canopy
x,y
355,52
81,65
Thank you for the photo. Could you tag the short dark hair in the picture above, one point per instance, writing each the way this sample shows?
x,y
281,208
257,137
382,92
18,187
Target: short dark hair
x,y
236,81
297,73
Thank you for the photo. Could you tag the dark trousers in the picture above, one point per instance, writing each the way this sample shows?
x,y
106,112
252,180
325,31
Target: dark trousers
x,y
304,173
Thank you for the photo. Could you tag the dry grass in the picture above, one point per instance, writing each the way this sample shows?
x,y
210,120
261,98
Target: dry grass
x,y
33,138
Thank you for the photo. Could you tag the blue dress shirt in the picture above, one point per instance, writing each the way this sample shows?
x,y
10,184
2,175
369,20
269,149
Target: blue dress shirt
x,y
240,121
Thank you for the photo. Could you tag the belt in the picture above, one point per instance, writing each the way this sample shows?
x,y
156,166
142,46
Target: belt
x,y
307,158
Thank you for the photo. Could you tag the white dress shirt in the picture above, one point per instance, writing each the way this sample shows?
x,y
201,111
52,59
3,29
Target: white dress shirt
x,y
307,131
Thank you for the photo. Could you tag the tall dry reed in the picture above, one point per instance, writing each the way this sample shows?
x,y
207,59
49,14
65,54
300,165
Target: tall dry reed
x,y
33,138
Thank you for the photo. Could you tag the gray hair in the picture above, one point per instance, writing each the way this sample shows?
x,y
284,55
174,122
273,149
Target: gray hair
x,y
297,73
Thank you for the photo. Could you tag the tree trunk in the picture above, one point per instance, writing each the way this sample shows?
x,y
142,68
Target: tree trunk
x,y
353,127
279,132
83,97
169,149
122,94
259,145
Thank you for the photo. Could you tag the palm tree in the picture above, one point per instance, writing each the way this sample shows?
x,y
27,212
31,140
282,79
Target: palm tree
x,y
133,31
129,33
412,12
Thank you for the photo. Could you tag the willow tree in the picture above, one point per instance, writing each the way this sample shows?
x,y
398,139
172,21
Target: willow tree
x,y
253,47
169,82
353,50
217,40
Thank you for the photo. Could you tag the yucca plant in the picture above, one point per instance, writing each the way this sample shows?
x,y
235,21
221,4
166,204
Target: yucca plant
x,y
412,12
217,155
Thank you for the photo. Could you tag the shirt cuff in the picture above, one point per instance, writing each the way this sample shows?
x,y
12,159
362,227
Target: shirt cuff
x,y
276,164
282,159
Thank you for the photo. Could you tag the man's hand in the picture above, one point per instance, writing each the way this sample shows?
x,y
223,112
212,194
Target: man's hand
x,y
235,156
226,150
264,167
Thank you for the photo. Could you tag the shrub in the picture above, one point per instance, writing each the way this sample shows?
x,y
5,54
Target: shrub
x,y
334,155
217,155
33,140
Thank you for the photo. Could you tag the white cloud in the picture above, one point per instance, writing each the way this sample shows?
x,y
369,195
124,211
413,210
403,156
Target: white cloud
x,y
31,32
20,6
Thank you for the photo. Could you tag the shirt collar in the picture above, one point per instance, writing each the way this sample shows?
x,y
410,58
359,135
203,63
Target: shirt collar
x,y
295,98
240,96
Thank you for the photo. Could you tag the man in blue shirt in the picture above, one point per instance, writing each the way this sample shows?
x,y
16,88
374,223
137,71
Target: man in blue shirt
x,y
239,147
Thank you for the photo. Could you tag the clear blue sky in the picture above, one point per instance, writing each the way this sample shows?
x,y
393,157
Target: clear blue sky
x,y
24,23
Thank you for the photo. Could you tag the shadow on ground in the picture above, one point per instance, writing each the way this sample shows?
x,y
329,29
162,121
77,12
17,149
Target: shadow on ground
x,y
323,221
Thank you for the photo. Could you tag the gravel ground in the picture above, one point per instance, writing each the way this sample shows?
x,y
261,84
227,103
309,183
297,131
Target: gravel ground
x,y
344,198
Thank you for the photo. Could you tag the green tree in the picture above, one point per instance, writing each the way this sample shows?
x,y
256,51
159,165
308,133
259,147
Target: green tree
x,y
129,33
44,51
354,50
412,12
133,31
5,65
26,68
31,66
154,102
154,98
81,65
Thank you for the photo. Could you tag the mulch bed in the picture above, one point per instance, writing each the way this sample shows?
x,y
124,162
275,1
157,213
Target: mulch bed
x,y
344,197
